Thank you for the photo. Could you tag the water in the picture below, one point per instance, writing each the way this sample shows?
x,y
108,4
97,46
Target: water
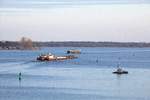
x,y
87,78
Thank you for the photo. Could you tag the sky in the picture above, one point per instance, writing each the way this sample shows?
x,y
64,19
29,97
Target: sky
x,y
75,20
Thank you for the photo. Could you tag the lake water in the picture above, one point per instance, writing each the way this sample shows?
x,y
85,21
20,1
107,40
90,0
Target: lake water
x,y
87,78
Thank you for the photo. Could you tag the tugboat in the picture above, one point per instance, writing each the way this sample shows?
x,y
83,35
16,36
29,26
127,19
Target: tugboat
x,y
120,71
46,57
50,57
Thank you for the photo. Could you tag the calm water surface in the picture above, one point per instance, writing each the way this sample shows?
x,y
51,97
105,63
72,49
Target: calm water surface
x,y
87,78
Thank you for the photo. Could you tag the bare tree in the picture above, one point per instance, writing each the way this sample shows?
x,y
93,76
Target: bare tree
x,y
26,43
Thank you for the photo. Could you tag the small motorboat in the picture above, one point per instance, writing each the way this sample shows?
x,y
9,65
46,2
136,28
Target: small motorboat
x,y
73,52
120,71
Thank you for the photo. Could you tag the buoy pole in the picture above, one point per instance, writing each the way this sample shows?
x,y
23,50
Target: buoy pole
x,y
20,76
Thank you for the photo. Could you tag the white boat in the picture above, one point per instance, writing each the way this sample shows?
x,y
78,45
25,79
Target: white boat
x,y
120,71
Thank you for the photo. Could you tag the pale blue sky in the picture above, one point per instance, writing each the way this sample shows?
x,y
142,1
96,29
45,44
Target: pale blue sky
x,y
75,20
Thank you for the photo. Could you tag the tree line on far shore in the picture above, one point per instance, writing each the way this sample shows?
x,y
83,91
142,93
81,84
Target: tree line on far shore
x,y
28,44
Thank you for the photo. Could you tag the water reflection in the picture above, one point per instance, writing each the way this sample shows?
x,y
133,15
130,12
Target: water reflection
x,y
19,83
118,79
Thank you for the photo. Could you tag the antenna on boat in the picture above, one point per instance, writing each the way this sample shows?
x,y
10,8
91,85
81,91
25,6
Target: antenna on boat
x,y
118,65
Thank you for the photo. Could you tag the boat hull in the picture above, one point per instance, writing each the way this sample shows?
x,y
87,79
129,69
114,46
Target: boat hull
x,y
123,72
56,58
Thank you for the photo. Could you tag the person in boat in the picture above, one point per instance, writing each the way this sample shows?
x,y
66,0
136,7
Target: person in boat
x,y
119,69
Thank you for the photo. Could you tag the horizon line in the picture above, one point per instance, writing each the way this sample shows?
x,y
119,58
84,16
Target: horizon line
x,y
83,41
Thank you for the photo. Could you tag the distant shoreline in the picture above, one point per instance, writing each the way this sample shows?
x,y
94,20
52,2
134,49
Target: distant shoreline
x,y
15,45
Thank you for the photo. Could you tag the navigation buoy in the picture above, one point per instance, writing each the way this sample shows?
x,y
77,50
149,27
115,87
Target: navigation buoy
x,y
20,76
